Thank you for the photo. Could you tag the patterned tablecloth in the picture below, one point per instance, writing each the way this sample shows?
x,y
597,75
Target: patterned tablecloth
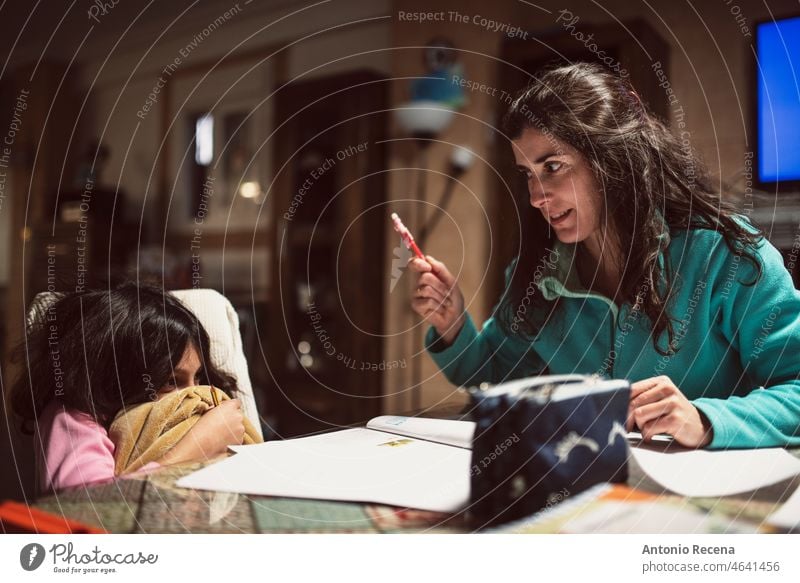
x,y
153,504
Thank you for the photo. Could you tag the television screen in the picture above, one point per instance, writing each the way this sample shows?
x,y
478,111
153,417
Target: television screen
x,y
778,50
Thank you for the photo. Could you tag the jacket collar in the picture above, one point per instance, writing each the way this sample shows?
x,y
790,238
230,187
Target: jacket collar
x,y
560,273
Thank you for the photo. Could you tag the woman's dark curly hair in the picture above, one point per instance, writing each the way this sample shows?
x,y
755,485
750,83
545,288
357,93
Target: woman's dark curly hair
x,y
641,169
100,351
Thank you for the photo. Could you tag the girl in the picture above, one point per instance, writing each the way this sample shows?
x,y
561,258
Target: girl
x,y
97,352
630,265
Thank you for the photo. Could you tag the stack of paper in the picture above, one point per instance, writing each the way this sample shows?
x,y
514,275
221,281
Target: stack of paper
x,y
355,464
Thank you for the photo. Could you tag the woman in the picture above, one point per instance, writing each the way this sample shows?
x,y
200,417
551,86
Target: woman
x,y
630,265
98,352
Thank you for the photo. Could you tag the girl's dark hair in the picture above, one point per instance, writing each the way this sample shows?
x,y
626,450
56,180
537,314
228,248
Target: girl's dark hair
x,y
641,168
100,351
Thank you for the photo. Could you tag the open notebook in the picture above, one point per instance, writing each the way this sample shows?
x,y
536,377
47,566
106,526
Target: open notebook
x,y
402,461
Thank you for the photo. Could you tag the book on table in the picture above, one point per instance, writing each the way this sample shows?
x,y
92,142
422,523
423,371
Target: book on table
x,y
403,461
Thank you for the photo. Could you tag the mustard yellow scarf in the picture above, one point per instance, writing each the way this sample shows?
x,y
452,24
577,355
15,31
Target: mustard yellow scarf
x,y
145,432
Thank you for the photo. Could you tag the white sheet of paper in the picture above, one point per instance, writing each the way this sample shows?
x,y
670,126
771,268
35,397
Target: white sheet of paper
x,y
788,515
451,432
256,446
716,473
447,431
353,465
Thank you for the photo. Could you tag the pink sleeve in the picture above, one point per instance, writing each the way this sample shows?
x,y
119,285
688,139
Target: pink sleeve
x,y
77,451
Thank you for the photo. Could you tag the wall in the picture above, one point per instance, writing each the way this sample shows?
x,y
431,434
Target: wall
x,y
332,33
126,99
5,236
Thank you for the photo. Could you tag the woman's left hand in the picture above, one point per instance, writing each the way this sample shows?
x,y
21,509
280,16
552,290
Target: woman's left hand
x,y
658,406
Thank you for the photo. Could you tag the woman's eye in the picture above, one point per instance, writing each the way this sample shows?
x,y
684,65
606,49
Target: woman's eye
x,y
526,173
553,166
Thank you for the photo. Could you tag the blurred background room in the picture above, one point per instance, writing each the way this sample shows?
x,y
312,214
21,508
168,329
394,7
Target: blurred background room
x,y
258,148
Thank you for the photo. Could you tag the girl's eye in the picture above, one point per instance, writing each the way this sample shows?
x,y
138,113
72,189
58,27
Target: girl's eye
x,y
526,173
552,166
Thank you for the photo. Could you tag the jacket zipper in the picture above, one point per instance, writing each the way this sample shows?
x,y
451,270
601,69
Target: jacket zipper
x,y
614,317
612,353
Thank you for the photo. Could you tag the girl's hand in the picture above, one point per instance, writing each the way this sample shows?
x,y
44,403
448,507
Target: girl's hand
x,y
437,297
658,406
211,435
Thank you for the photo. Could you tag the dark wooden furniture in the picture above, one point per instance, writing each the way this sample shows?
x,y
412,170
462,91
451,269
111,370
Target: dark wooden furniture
x,y
328,276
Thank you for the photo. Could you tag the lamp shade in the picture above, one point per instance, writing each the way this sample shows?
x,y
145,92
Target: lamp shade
x,y
423,118
461,158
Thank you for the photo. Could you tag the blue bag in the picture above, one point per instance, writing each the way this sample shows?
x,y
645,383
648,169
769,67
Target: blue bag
x,y
542,439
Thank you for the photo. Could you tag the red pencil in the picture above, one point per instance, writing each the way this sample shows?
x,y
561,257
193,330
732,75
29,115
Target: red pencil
x,y
18,518
405,234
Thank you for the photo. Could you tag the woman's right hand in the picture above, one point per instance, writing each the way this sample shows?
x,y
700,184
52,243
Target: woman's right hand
x,y
216,429
437,297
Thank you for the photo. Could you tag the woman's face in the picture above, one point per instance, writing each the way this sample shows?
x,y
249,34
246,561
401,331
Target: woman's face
x,y
185,374
561,186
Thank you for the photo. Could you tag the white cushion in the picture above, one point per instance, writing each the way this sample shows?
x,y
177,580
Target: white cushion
x,y
220,320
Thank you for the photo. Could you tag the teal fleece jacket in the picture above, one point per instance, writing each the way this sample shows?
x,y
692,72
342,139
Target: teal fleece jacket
x,y
739,346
